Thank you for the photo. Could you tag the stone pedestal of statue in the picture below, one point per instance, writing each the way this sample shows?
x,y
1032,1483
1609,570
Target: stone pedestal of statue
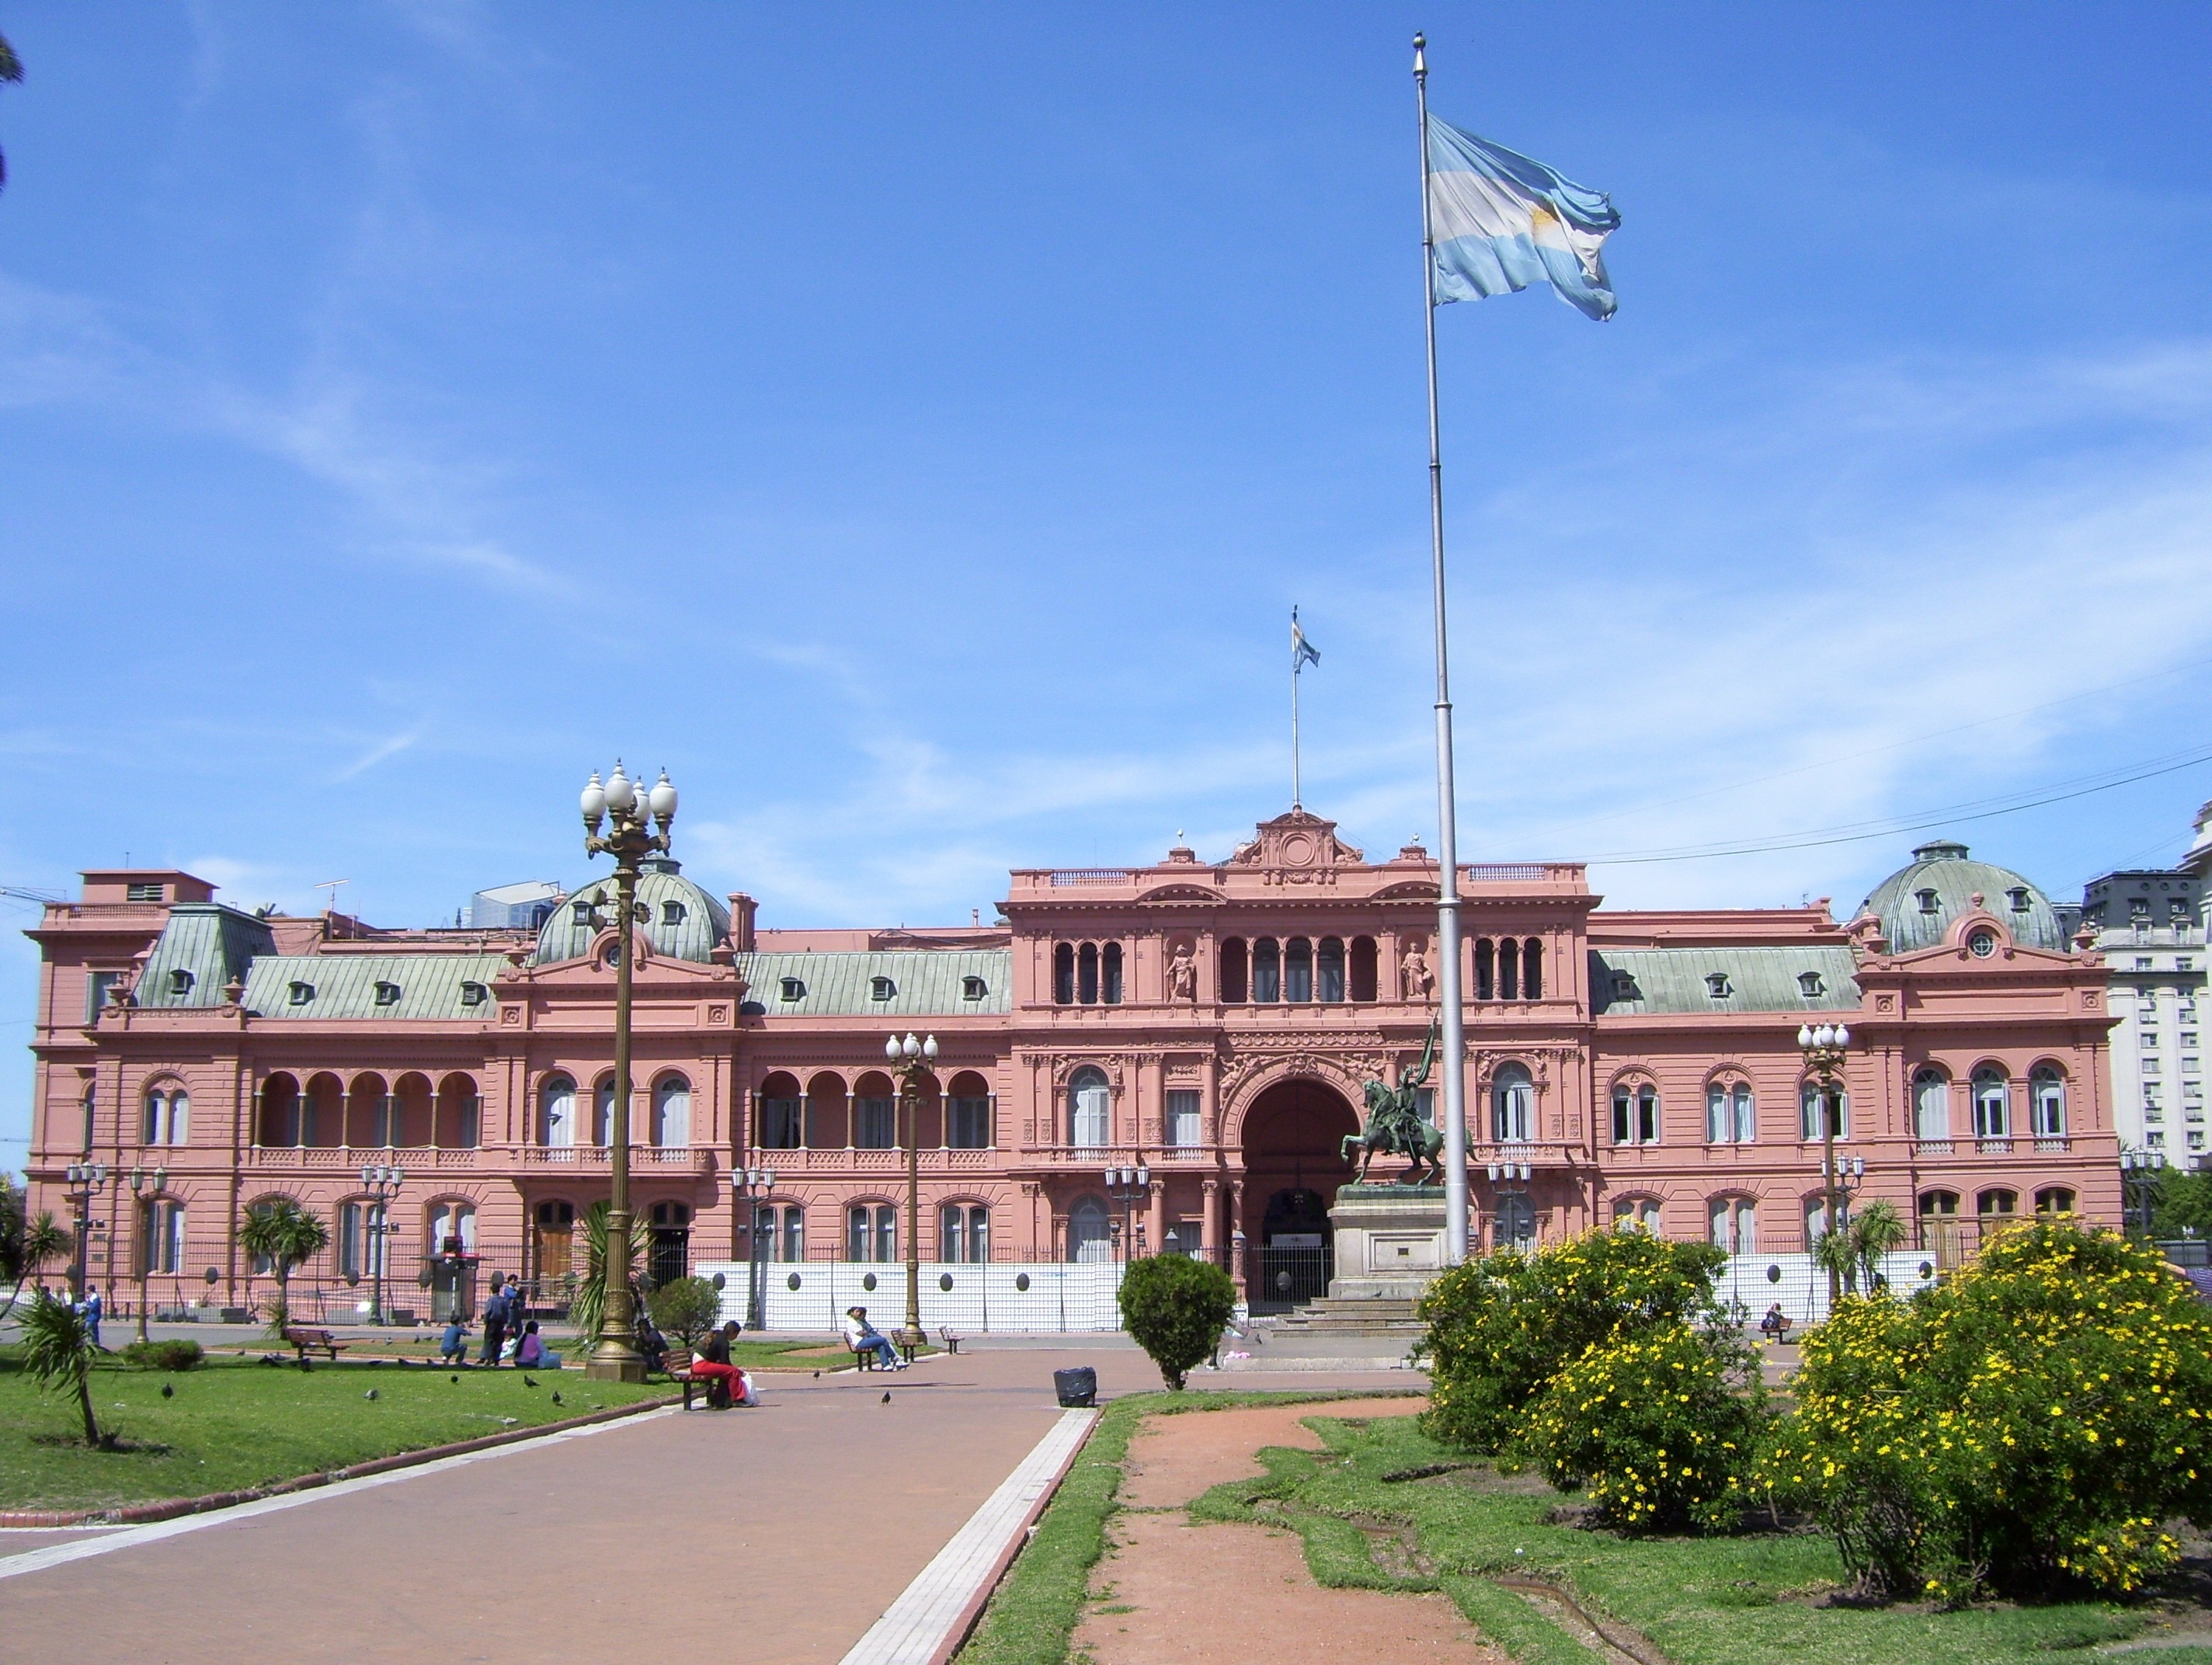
x,y
1390,1242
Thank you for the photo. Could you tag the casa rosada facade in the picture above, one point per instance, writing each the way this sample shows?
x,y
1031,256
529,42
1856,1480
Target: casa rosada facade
x,y
1214,1021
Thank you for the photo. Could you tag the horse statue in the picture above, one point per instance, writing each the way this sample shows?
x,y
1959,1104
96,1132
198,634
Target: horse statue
x,y
1395,1125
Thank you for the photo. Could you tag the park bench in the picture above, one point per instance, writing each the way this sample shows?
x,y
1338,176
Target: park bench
x,y
307,1340
865,1358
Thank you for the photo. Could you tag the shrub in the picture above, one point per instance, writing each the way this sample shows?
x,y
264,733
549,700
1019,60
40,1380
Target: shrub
x,y
182,1353
1176,1308
1503,1326
2031,1423
685,1308
1661,1424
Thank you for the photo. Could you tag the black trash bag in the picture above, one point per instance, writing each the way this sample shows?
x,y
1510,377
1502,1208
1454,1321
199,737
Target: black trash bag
x,y
1078,1388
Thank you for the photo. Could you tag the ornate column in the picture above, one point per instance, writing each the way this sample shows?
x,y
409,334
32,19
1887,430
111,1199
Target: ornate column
x,y
1209,1230
1155,1216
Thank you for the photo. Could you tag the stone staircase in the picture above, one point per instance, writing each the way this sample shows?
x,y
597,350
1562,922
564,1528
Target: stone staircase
x,y
1373,1332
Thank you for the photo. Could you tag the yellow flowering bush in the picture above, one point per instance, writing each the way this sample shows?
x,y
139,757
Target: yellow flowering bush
x,y
1502,1326
2031,1424
1660,1425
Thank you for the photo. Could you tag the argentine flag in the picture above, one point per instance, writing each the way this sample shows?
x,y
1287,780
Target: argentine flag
x,y
1501,221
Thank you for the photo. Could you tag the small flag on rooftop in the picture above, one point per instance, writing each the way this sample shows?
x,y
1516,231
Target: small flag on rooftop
x,y
1501,222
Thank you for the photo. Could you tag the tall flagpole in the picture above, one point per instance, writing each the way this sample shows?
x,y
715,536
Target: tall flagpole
x,y
1296,665
1448,989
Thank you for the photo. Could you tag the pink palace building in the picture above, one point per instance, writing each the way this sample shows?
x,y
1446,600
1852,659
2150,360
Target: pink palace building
x,y
1215,1020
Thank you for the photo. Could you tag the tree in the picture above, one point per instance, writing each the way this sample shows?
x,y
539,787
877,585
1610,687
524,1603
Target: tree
x,y
1176,1308
2181,1204
285,1235
11,68
44,1239
57,1354
685,1308
590,1304
1878,1230
12,1203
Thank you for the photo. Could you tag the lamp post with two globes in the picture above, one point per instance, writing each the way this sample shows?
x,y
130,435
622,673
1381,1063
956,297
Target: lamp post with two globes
x,y
1824,1046
627,814
912,1060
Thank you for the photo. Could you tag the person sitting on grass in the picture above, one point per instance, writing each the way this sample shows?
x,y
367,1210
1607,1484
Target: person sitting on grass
x,y
863,1337
533,1354
453,1346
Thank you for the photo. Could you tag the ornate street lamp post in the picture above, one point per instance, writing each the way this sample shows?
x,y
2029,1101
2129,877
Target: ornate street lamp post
x,y
1824,1047
81,1181
140,1190
912,1060
2139,1179
627,813
750,1189
1127,1186
382,1184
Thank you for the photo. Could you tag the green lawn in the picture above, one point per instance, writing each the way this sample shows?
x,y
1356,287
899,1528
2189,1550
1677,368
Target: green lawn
x,y
1744,1600
234,1424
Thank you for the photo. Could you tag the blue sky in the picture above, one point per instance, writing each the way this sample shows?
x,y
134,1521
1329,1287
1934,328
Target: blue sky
x,y
913,428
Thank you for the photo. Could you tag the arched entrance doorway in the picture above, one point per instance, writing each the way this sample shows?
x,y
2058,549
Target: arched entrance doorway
x,y
1293,1162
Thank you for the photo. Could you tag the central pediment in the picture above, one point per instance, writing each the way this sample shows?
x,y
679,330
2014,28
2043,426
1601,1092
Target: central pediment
x,y
1299,841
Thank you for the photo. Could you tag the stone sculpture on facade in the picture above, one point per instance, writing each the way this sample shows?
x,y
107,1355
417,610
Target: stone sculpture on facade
x,y
1415,981
1183,974
1395,1125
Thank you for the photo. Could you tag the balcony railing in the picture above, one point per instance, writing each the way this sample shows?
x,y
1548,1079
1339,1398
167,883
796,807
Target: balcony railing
x,y
932,1161
592,1158
338,1156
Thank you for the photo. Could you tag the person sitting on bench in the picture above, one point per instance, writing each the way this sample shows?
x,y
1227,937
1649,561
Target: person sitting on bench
x,y
863,1337
1775,1323
711,1365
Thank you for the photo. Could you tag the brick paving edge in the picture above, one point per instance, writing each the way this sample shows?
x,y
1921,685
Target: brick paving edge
x,y
971,1615
170,1509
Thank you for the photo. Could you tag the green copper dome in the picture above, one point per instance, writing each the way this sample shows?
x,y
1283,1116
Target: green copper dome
x,y
1917,905
678,918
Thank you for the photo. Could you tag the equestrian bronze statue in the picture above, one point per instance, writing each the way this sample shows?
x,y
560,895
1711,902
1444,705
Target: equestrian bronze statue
x,y
1395,1125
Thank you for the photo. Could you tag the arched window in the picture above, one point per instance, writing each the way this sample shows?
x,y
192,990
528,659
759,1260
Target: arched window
x,y
1532,969
782,1114
161,1235
1815,1104
967,1112
795,1234
2054,1199
671,1111
1635,1113
1512,1105
1089,1235
280,1111
1297,971
1734,1223
1109,975
1233,986
1089,1100
1513,1222
554,1239
1992,1103
1997,1205
1267,971
1931,1105
1635,1214
875,1114
603,1113
2046,1089
169,1117
872,1232
1509,969
1063,973
1730,1118
1486,970
1366,967
1086,974
1816,1216
1328,971
452,1228
963,1233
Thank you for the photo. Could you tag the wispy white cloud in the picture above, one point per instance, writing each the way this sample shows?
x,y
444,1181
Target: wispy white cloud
x,y
383,749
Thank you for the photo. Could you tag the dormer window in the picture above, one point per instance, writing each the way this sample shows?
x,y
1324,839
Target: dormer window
x,y
143,892
473,994
580,914
2018,896
387,994
672,913
792,989
973,988
302,994
1716,985
181,981
882,988
1927,901
1624,986
1810,986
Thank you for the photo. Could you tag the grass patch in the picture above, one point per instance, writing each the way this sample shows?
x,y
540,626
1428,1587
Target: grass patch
x,y
1033,1613
233,1423
1744,1601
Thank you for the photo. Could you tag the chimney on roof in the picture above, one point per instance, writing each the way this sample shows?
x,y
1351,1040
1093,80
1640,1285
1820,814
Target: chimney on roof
x,y
743,911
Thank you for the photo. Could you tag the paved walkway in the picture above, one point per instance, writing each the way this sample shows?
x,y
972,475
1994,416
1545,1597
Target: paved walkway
x,y
783,1531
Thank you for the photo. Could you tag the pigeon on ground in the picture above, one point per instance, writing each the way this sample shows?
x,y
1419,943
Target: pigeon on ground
x,y
818,1376
887,1398
529,1380
168,1392
556,1396
371,1394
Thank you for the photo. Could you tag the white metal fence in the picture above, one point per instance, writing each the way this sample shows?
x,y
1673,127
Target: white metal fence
x,y
971,1299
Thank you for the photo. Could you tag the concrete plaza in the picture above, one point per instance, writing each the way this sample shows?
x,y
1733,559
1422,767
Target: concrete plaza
x,y
781,1531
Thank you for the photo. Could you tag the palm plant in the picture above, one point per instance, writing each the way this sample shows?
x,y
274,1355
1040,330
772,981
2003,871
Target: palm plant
x,y
11,68
285,1235
57,1354
1878,1230
44,1239
590,1304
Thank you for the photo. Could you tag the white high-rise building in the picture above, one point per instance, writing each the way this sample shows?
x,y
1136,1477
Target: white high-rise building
x,y
2149,924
